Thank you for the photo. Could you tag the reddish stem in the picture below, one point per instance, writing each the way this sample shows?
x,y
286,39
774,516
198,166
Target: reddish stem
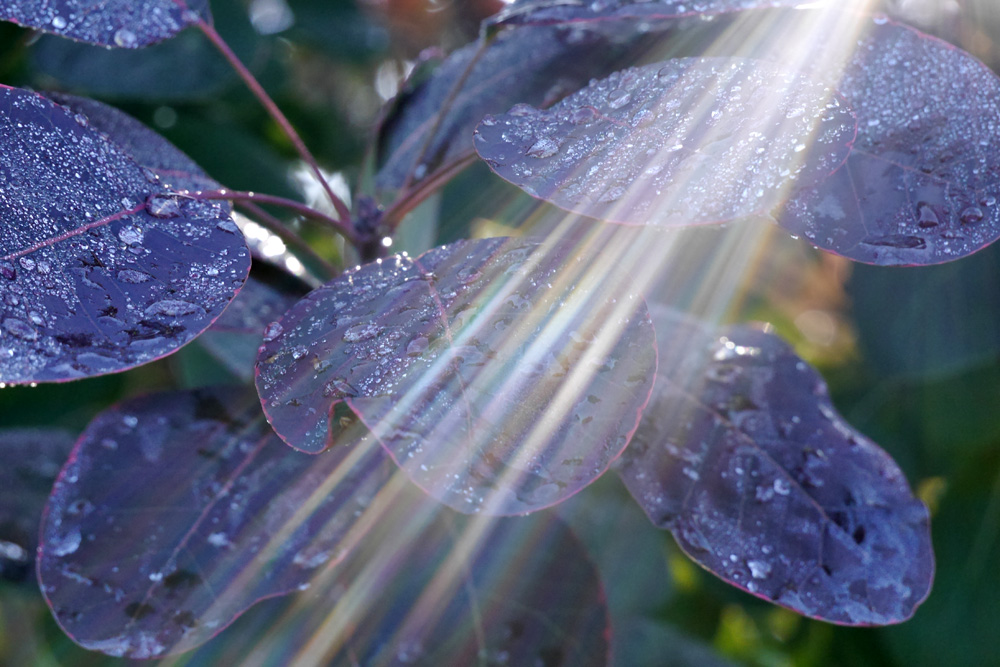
x,y
338,226
342,210
413,197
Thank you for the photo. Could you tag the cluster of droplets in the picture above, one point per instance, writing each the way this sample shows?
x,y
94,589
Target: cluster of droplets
x,y
118,23
92,278
628,148
920,186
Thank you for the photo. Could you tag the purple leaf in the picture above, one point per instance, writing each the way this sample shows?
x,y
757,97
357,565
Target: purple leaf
x,y
685,142
235,337
503,375
535,66
549,12
175,170
128,24
34,457
101,267
743,457
178,511
449,596
921,183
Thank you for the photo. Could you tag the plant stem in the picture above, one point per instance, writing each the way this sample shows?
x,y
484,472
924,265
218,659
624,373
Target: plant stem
x,y
342,210
292,240
484,41
413,197
339,226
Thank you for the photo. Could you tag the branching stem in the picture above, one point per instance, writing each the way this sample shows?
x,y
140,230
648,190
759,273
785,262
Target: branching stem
x,y
339,226
248,78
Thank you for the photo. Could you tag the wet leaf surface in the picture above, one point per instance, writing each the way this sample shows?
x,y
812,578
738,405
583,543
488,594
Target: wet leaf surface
x,y
684,142
208,512
235,337
127,24
101,268
533,66
515,591
174,170
503,375
742,456
547,12
34,457
921,184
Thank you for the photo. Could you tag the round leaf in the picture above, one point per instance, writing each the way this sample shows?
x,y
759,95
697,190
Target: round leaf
x,y
549,12
503,375
685,142
922,183
448,596
101,268
743,458
128,24
206,513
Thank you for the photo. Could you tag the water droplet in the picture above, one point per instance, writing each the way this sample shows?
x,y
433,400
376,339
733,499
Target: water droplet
x,y
20,329
971,215
65,545
543,148
58,22
582,116
618,98
782,486
361,332
272,331
125,38
130,234
228,226
130,421
160,206
926,217
416,346
171,308
759,569
133,277
339,387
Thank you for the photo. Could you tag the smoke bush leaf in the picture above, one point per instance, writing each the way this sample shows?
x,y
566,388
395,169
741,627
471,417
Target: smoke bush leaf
x,y
447,597
684,142
225,515
531,66
742,456
234,338
921,184
174,169
128,24
102,268
549,12
503,375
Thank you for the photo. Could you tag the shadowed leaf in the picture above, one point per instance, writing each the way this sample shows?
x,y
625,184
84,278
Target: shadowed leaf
x,y
452,595
234,338
129,24
101,268
921,183
33,459
175,170
743,457
534,66
684,142
501,374
549,12
208,513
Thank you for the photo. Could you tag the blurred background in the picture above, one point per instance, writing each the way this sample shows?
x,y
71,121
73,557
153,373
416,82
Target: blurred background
x,y
912,355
